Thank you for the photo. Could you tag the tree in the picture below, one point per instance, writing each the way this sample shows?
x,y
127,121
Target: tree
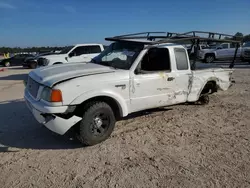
x,y
246,38
238,34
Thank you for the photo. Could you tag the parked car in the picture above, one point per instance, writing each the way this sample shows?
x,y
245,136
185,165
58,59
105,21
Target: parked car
x,y
15,60
245,54
129,76
80,53
31,62
224,51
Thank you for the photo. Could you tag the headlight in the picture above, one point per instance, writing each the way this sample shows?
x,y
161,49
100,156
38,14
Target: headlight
x,y
46,93
51,95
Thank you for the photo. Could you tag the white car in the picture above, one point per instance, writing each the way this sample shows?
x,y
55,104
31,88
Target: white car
x,y
80,53
128,76
224,51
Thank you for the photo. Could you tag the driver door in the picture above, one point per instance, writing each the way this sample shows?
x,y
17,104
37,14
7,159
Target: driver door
x,y
153,83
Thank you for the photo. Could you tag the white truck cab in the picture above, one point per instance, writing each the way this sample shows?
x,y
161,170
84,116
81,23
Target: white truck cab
x,y
80,53
128,76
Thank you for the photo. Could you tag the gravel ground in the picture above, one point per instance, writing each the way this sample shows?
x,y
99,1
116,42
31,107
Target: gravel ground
x,y
181,146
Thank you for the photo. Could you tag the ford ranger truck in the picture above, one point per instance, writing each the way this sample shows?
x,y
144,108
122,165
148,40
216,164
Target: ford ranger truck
x,y
128,76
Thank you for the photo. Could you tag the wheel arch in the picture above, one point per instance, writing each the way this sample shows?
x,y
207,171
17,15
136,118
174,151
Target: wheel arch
x,y
117,103
210,83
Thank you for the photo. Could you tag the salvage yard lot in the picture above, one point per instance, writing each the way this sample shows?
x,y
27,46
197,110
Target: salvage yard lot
x,y
180,146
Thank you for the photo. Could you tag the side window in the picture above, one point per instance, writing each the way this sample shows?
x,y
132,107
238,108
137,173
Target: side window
x,y
94,49
181,59
156,59
86,50
224,46
232,45
80,50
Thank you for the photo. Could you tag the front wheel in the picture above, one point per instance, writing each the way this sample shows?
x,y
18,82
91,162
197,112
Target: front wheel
x,y
97,123
209,58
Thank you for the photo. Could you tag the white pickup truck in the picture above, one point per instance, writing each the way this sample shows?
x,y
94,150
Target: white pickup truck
x,y
79,53
224,51
128,76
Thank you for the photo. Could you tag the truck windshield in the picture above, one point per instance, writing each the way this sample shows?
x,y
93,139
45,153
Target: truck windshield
x,y
120,55
247,44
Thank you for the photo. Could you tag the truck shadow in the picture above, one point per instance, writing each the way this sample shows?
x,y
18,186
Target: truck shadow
x,y
19,129
151,112
15,77
237,65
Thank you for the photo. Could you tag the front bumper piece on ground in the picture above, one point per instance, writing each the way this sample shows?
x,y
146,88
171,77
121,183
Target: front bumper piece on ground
x,y
51,121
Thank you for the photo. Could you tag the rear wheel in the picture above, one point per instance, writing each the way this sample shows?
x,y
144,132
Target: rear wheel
x,y
97,123
209,58
203,100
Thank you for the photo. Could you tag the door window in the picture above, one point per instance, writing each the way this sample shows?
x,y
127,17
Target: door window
x,y
224,46
94,49
156,59
232,45
86,50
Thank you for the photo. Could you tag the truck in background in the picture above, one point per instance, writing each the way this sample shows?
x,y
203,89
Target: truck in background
x,y
245,52
80,53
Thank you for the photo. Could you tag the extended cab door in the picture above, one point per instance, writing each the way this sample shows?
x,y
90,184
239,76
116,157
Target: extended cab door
x,y
156,82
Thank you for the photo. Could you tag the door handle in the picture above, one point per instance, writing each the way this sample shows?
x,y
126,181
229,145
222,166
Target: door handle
x,y
170,78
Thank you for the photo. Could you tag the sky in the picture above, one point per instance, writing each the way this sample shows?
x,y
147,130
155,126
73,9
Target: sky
x,y
27,23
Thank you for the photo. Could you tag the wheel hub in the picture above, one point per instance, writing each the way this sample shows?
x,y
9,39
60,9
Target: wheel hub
x,y
98,122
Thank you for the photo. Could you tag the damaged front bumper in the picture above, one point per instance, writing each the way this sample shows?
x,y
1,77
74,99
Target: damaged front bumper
x,y
46,115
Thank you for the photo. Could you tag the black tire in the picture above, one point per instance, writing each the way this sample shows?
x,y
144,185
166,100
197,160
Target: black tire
x,y
7,64
209,58
33,65
203,100
97,123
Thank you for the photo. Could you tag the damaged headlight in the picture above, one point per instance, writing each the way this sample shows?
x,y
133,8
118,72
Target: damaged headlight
x,y
51,95
46,93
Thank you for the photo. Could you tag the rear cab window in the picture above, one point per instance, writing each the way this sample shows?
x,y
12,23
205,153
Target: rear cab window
x,y
181,59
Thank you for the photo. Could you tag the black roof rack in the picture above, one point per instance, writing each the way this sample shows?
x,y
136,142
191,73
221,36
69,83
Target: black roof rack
x,y
148,36
169,37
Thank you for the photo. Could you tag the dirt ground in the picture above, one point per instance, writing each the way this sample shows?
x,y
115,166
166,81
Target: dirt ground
x,y
181,146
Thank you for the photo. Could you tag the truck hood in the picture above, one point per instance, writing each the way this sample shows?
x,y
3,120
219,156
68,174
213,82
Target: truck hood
x,y
50,75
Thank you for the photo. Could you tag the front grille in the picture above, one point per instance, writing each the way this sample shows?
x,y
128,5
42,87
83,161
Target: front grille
x,y
32,87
